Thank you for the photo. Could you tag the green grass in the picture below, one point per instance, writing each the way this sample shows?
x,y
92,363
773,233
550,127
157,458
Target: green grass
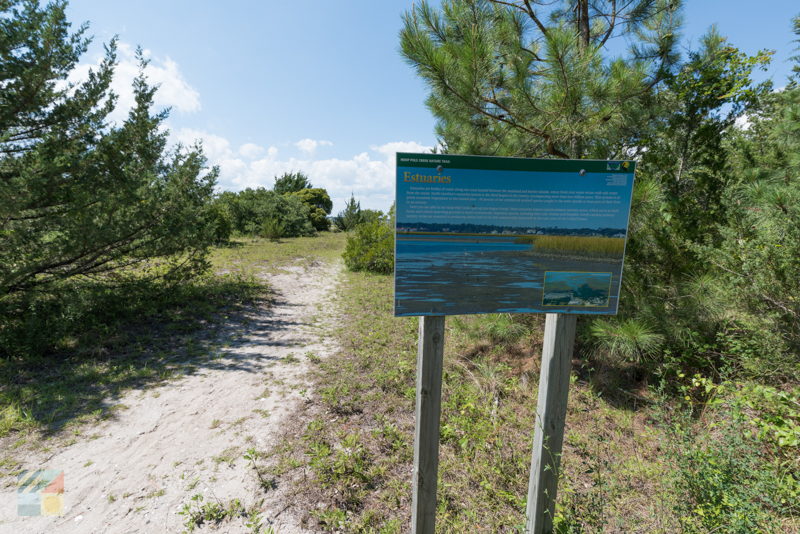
x,y
111,342
65,357
348,459
248,255
362,474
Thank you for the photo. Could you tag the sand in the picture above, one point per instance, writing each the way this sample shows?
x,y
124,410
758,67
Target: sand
x,y
136,471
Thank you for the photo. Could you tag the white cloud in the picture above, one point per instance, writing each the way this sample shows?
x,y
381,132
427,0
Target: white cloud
x,y
743,122
173,90
389,149
368,175
251,150
309,146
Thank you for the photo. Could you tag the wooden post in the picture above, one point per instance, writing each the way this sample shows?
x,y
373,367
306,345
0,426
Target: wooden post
x,y
551,411
426,436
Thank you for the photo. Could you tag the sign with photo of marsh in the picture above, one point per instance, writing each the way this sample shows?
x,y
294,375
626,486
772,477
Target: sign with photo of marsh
x,y
480,234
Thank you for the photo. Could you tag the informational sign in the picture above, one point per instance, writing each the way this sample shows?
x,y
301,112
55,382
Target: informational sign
x,y
479,234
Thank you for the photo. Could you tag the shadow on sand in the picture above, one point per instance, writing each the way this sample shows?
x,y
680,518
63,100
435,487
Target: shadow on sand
x,y
48,393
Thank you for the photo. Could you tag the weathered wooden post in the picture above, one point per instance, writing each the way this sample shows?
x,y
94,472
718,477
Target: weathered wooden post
x,y
551,411
430,354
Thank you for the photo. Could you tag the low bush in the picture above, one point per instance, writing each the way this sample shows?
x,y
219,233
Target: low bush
x,y
273,228
370,248
737,466
253,209
726,484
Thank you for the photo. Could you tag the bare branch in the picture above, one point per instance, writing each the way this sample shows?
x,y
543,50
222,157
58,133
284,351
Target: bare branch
x,y
611,23
534,18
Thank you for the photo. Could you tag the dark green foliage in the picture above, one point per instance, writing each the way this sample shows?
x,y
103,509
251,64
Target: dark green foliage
x,y
79,197
298,213
221,221
350,217
370,248
319,206
369,216
291,182
251,209
685,148
673,306
711,262
713,265
757,257
742,477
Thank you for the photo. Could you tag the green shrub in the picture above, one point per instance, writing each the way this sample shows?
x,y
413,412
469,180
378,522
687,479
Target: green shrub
x,y
350,217
319,206
370,248
739,474
273,228
628,339
221,221
725,488
251,209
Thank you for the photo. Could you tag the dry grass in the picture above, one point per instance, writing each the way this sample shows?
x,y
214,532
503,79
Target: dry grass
x,y
592,246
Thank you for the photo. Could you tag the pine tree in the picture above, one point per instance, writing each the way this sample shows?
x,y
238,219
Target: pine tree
x,y
80,196
758,257
351,216
527,78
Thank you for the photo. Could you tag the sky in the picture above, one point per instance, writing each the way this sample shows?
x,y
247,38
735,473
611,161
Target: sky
x,y
273,86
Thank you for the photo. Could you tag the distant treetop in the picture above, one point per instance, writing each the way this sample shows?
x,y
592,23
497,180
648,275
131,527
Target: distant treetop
x,y
291,182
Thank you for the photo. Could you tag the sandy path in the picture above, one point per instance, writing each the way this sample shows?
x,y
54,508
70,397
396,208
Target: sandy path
x,y
189,436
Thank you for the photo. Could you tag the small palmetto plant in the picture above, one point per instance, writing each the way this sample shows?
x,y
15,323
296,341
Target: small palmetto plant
x,y
629,339
273,228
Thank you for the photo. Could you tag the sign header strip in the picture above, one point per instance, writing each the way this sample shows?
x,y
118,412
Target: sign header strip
x,y
405,159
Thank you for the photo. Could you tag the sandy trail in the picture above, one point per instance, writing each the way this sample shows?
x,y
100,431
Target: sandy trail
x,y
188,436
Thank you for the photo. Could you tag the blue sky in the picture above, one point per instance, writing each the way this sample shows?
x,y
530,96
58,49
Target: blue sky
x,y
274,85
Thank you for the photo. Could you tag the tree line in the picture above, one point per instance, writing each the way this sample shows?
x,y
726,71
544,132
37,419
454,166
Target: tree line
x,y
292,208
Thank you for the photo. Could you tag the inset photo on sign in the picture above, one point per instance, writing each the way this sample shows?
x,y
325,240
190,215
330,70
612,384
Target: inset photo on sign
x,y
589,290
